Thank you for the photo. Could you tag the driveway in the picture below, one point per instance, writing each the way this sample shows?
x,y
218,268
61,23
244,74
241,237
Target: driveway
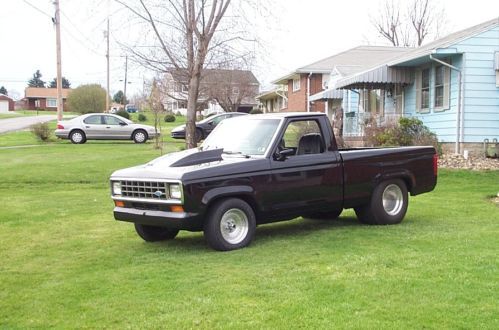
x,y
19,123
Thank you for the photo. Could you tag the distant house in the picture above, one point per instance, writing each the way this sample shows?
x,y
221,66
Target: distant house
x,y
39,98
6,103
273,100
305,82
220,90
451,84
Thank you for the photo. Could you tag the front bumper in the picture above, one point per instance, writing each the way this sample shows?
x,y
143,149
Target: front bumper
x,y
178,135
173,220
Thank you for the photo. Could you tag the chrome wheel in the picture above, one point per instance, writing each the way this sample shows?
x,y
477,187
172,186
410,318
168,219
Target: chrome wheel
x,y
393,199
234,226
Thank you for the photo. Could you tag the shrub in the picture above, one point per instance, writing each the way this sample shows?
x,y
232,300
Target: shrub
x,y
123,113
255,111
407,132
41,131
87,99
169,118
142,117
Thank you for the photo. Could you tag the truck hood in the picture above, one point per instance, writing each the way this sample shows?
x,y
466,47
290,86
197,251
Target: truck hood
x,y
194,164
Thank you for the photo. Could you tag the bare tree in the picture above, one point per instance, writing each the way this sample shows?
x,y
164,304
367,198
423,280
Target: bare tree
x,y
408,26
188,35
157,108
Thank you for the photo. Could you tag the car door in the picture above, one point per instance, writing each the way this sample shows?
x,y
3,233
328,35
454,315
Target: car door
x,y
116,128
310,179
92,126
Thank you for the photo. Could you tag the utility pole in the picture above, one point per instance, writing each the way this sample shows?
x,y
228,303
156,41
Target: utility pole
x,y
124,88
107,58
57,22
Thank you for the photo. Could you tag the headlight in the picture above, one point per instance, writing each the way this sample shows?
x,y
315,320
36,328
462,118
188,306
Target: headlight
x,y
175,191
116,187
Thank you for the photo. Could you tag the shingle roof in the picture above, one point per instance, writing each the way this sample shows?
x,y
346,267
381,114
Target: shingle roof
x,y
214,76
353,60
41,92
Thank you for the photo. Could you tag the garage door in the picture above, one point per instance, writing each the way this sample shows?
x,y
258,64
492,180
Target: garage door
x,y
4,106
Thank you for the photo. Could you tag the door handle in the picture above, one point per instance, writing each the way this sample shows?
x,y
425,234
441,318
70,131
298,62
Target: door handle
x,y
87,126
108,126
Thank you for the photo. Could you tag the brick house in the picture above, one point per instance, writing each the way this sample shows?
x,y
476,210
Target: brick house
x,y
312,79
39,98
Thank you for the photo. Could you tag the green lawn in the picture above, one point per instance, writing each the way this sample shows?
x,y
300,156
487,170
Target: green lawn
x,y
66,263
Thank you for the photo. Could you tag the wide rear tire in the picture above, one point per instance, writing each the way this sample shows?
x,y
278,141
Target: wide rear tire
x,y
388,204
230,224
154,234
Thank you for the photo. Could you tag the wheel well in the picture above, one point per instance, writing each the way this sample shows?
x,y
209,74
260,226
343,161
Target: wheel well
x,y
139,129
77,129
247,198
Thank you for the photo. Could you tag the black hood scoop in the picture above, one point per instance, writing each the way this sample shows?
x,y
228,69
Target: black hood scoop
x,y
200,157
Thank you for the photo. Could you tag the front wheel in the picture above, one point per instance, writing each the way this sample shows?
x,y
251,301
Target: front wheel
x,y
77,137
230,225
387,206
154,234
139,136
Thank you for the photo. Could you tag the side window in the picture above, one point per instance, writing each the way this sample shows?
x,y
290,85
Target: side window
x,y
93,120
304,137
110,120
217,120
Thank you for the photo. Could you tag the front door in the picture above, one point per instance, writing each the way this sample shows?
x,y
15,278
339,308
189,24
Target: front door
x,y
308,180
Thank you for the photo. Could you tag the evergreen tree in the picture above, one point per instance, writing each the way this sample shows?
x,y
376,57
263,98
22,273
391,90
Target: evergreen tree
x,y
118,98
65,83
36,81
3,90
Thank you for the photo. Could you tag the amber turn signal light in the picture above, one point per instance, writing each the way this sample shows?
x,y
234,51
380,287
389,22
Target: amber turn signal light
x,y
177,208
119,203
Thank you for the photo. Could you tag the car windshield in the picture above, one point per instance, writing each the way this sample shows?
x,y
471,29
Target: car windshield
x,y
242,136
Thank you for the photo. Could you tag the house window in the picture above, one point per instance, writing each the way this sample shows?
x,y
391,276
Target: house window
x,y
398,99
441,88
51,103
235,90
372,101
296,84
425,89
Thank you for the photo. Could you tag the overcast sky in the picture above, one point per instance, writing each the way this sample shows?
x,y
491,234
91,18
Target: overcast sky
x,y
300,32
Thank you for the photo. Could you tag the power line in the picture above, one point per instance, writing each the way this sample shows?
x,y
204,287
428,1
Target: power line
x,y
37,9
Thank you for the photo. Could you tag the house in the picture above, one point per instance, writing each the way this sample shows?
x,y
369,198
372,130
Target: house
x,y
6,103
220,90
273,100
40,98
310,80
450,84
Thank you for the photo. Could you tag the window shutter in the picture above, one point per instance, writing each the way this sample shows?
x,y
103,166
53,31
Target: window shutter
x,y
418,90
446,104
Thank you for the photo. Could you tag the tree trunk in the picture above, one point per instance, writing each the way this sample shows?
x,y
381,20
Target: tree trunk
x,y
190,127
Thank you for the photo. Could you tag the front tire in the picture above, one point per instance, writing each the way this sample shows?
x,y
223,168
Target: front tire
x,y
230,225
388,204
154,234
77,137
139,136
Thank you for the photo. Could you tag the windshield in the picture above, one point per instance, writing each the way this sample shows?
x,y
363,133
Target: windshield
x,y
242,135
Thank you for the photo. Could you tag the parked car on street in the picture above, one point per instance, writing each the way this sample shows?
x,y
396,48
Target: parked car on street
x,y
205,126
103,126
258,169
131,108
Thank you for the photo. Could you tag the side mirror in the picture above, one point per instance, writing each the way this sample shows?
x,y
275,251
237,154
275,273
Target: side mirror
x,y
123,123
283,154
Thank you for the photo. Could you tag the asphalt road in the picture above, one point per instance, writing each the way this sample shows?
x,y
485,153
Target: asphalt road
x,y
20,123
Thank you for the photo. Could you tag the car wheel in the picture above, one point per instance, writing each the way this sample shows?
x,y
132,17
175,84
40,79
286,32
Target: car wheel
x,y
199,135
77,137
230,225
139,136
388,204
329,215
154,234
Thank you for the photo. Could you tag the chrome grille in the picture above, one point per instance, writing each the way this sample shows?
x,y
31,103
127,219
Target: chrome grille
x,y
145,189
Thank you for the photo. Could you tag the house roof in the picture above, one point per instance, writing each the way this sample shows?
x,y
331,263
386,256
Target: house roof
x,y
3,96
214,75
352,60
41,92
444,42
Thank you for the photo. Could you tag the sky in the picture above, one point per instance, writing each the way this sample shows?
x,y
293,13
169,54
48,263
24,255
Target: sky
x,y
294,34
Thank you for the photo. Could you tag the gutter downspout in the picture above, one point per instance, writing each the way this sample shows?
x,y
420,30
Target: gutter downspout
x,y
460,101
308,91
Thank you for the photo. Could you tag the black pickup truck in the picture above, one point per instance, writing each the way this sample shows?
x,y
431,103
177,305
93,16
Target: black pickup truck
x,y
264,168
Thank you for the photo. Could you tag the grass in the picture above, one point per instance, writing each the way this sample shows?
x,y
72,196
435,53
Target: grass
x,y
66,263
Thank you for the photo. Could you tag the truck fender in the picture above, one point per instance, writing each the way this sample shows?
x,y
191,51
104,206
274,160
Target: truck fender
x,y
405,175
226,191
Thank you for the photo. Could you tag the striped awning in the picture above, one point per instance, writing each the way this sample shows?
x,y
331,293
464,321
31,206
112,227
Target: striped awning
x,y
376,78
328,94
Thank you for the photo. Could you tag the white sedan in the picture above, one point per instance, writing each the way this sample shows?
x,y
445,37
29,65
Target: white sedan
x,y
100,126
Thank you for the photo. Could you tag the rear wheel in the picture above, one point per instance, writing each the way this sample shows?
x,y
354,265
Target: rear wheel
x,y
154,234
139,136
388,204
230,225
77,137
